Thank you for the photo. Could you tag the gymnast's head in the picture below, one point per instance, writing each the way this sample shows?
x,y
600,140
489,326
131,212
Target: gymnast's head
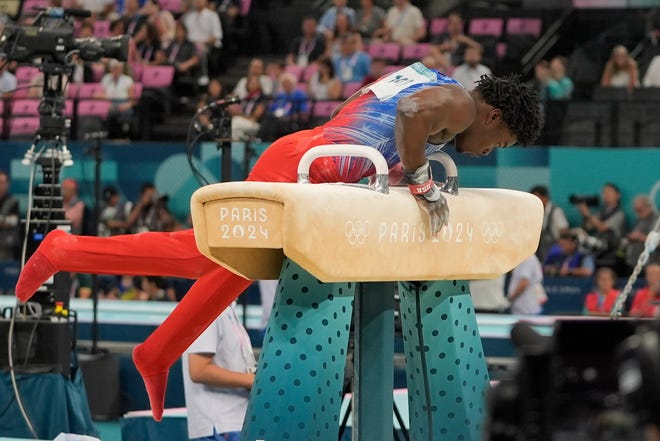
x,y
508,113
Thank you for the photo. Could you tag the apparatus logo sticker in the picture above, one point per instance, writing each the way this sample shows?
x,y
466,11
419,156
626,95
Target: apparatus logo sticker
x,y
492,232
357,231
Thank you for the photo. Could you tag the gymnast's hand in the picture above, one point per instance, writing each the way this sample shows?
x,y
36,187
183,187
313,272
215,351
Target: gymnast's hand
x,y
428,196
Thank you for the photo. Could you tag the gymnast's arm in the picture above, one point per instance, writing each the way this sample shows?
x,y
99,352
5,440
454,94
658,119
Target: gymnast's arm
x,y
440,110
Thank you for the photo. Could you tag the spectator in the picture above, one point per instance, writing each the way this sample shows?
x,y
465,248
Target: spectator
x,y
118,88
328,20
646,302
606,228
255,69
404,24
342,29
287,113
132,17
218,373
449,48
98,8
147,42
8,81
155,288
114,214
649,48
369,19
558,85
308,47
205,31
526,292
162,20
377,70
652,75
150,213
324,84
351,65
620,70
74,208
274,71
471,71
213,93
541,75
181,54
245,119
646,220
601,300
566,259
554,222
9,226
488,295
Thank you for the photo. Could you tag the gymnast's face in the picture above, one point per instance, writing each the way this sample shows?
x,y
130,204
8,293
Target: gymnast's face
x,y
487,132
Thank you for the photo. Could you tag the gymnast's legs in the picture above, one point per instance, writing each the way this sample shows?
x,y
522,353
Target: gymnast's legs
x,y
171,254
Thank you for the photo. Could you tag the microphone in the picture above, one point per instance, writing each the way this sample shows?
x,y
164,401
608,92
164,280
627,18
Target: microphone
x,y
54,12
220,104
523,335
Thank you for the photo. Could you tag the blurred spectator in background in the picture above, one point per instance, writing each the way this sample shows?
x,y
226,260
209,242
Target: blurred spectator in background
x,y
324,84
205,31
150,213
307,47
404,23
287,113
341,30
647,300
9,226
99,8
162,20
328,20
605,229
601,300
554,222
8,81
377,70
256,68
352,64
246,117
541,75
118,88
369,19
566,259
634,242
155,288
213,93
449,48
649,48
74,208
558,85
274,71
147,42
620,70
132,17
488,295
526,292
114,213
471,70
181,54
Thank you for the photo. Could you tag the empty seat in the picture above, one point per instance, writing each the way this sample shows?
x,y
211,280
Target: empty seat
x,y
523,26
415,52
386,51
71,90
157,76
637,124
438,26
90,90
588,124
615,94
23,107
23,126
349,89
24,74
486,26
99,108
646,94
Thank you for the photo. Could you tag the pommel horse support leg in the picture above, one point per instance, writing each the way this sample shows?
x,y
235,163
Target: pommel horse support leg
x,y
324,241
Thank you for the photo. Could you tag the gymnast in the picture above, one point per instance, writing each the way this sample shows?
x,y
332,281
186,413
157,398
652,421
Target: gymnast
x,y
406,116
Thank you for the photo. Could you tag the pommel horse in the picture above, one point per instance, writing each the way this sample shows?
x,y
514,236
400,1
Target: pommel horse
x,y
335,247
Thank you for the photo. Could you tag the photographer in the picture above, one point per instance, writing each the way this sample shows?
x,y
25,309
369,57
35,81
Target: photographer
x,y
606,228
150,213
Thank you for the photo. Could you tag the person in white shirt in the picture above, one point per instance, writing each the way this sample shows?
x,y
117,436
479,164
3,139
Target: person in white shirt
x,y
554,221
404,23
652,75
471,70
205,31
218,373
255,68
526,292
118,88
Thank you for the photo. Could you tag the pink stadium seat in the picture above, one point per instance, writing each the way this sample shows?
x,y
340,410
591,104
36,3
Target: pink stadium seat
x,y
415,51
90,90
99,108
171,5
24,107
524,26
2,107
29,5
101,28
438,26
486,27
71,90
23,126
24,74
349,89
296,70
309,71
68,108
21,92
137,90
500,50
393,68
98,70
323,109
387,51
157,76
245,7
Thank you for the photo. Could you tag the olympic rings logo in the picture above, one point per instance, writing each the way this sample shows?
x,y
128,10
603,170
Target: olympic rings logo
x,y
491,232
356,231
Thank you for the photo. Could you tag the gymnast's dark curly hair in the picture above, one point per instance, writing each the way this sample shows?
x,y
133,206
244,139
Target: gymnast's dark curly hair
x,y
521,110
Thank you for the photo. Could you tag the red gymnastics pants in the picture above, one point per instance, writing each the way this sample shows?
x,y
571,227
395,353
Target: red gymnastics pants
x,y
170,254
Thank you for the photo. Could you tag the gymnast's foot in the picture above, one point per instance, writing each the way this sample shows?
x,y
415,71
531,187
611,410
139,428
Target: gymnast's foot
x,y
40,267
155,383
